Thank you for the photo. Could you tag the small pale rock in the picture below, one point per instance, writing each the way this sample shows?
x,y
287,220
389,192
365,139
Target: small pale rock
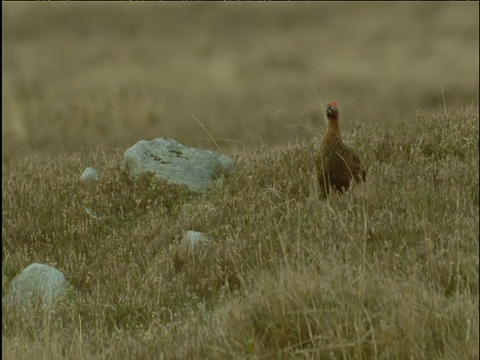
x,y
193,238
38,281
90,174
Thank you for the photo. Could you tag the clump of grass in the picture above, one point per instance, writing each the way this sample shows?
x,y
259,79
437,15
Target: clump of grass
x,y
329,310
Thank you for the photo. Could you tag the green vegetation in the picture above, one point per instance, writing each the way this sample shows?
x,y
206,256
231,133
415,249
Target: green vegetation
x,y
388,271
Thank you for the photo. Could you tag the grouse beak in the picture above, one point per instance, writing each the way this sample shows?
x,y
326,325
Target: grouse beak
x,y
329,111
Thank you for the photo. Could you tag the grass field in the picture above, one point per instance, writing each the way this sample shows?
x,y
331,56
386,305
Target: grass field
x,y
388,271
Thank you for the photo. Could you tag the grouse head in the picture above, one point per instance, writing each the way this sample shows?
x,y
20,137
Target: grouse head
x,y
332,111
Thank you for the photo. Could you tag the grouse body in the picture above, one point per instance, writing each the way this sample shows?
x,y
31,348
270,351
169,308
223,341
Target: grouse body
x,y
337,164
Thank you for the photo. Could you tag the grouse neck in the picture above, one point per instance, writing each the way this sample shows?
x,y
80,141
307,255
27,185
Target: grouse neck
x,y
333,126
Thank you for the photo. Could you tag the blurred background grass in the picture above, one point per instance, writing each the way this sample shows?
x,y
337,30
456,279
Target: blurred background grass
x,y
83,75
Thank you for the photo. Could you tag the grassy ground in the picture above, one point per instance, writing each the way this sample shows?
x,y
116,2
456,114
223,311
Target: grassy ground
x,y
388,271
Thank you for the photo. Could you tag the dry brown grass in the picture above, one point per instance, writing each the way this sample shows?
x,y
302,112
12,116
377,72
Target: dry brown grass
x,y
388,271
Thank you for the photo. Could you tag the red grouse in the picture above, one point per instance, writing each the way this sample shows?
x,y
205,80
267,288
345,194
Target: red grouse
x,y
337,164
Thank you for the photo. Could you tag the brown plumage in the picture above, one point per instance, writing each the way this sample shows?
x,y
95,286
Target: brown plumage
x,y
337,164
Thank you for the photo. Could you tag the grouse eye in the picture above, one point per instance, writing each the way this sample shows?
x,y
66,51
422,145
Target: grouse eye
x,y
334,108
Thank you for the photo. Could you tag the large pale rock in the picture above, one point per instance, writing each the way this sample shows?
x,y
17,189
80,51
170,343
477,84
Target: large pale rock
x,y
38,281
175,163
